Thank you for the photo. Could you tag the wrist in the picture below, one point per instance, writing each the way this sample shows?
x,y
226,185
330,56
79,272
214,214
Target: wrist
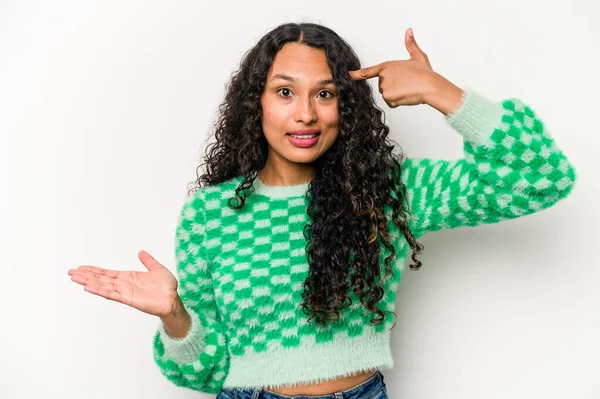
x,y
442,94
178,323
177,313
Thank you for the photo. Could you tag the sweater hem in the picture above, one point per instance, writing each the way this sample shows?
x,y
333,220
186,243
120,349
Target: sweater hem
x,y
311,363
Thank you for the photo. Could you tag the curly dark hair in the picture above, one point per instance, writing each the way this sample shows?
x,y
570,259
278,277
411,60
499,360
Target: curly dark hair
x,y
353,180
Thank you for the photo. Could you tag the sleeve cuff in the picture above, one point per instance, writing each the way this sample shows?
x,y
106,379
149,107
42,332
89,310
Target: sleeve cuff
x,y
187,349
477,118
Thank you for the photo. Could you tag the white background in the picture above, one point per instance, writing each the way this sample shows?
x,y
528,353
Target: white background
x,y
104,109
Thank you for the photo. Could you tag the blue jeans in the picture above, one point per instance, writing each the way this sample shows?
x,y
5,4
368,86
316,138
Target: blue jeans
x,y
373,388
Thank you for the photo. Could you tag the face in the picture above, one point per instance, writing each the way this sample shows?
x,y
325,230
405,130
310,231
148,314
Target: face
x,y
299,96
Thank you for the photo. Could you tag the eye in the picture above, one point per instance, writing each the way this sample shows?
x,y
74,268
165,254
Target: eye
x,y
280,91
328,92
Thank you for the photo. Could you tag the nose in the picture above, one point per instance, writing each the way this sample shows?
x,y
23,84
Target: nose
x,y
305,111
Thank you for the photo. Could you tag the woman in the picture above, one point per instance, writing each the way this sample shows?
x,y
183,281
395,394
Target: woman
x,y
285,248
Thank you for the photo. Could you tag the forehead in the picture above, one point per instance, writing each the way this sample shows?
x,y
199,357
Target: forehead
x,y
301,61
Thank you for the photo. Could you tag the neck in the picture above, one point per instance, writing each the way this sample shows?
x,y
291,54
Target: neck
x,y
286,175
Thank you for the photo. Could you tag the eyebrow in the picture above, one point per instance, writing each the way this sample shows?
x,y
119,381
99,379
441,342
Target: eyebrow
x,y
289,78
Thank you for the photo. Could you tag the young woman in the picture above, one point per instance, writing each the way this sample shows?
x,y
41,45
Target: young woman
x,y
296,234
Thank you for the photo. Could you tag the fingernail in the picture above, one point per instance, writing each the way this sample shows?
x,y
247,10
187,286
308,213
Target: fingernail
x,y
410,32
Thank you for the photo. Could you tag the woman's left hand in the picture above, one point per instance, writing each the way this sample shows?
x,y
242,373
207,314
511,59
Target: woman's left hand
x,y
413,81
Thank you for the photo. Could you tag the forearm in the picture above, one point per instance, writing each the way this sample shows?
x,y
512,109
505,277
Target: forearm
x,y
443,95
177,325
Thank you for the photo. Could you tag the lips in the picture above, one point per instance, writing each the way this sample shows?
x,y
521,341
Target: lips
x,y
304,139
307,132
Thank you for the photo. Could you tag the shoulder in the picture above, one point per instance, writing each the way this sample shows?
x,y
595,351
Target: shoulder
x,y
211,199
214,191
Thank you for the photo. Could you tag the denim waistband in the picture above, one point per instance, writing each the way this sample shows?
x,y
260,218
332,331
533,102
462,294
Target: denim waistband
x,y
365,390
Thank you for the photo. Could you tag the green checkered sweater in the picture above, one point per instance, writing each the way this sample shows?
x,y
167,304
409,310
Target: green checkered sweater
x,y
241,272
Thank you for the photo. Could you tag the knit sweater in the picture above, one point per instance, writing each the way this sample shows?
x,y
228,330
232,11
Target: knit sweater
x,y
241,271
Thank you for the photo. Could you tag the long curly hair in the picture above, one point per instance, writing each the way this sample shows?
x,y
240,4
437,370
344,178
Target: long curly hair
x,y
353,180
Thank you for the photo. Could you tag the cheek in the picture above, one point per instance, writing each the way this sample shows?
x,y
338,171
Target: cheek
x,y
271,116
329,116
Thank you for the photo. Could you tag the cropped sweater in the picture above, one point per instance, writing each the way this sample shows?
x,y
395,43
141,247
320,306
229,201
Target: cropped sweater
x,y
241,271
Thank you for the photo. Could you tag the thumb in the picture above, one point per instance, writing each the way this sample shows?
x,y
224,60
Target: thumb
x,y
149,262
411,45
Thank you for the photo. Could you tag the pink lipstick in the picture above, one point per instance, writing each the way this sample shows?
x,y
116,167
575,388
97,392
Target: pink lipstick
x,y
304,138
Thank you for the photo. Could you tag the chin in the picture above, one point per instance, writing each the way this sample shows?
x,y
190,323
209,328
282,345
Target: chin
x,y
303,159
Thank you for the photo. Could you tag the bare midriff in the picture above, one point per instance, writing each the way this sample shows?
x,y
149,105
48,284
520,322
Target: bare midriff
x,y
326,387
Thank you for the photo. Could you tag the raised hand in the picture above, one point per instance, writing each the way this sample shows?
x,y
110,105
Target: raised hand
x,y
153,292
402,82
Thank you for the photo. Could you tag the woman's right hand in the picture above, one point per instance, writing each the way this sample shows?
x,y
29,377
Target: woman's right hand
x,y
153,292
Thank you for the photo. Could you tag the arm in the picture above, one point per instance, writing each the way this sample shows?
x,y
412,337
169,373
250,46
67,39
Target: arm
x,y
511,167
193,353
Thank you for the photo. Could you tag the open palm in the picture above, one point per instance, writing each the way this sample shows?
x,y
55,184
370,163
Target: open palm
x,y
153,292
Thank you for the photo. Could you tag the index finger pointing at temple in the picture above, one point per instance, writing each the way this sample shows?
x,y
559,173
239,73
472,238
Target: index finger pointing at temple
x,y
366,73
